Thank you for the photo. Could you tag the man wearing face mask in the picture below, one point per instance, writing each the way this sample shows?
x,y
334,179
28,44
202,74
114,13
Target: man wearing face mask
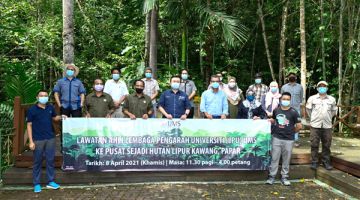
x,y
151,89
321,108
174,103
118,90
250,108
69,92
214,104
221,83
42,139
188,86
99,103
285,122
138,105
259,88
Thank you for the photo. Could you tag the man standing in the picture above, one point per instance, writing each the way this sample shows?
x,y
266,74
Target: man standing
x,y
286,121
69,92
98,103
214,103
297,94
188,86
42,139
321,108
117,89
259,88
151,89
138,105
174,103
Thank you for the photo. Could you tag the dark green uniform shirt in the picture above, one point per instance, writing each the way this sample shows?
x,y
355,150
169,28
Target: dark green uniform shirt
x,y
99,106
138,105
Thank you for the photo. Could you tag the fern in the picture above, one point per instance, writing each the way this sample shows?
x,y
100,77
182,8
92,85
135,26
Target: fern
x,y
6,116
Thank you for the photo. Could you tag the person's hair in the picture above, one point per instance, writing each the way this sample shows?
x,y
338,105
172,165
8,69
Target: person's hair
x,y
42,90
115,68
139,80
184,70
214,76
98,79
250,90
286,94
258,75
175,76
291,73
231,77
148,68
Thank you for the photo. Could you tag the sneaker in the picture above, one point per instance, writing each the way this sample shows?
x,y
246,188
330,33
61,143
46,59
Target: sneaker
x,y
53,185
327,166
285,181
270,181
37,188
314,166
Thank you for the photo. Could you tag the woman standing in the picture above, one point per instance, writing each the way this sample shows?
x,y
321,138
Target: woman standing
x,y
234,96
271,100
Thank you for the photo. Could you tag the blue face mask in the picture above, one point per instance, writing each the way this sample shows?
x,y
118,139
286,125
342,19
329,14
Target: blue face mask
x,y
285,103
175,86
148,75
69,73
274,89
116,77
250,98
258,80
184,76
215,85
322,90
43,100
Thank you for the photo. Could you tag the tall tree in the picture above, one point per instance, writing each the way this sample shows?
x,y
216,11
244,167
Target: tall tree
x,y
322,29
153,41
68,31
282,45
303,70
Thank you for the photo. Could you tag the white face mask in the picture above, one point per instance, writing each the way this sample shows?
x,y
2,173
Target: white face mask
x,y
232,85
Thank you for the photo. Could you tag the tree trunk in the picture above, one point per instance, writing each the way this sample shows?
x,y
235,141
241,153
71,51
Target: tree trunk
x,y
183,47
253,58
341,41
147,38
322,39
153,42
68,31
268,55
283,42
303,46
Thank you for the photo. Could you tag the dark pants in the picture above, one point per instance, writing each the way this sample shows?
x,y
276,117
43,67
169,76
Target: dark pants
x,y
44,148
214,117
71,113
325,136
191,113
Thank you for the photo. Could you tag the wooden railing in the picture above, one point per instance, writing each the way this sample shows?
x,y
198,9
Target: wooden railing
x,y
351,118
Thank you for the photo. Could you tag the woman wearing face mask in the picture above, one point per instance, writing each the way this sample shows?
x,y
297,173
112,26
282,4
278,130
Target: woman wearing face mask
x,y
234,96
272,98
251,108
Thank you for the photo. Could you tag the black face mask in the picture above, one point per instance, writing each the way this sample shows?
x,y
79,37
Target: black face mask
x,y
139,90
292,78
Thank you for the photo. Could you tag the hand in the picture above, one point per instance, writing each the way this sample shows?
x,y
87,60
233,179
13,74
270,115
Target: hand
x,y
145,116
108,116
87,115
271,120
64,117
223,116
168,116
132,116
183,117
32,146
207,115
256,118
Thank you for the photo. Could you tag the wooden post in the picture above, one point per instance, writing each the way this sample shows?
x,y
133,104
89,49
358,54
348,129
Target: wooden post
x,y
16,123
358,116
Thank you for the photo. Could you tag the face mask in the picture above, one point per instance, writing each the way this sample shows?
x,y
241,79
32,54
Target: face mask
x,y
99,87
69,73
215,85
184,76
139,90
148,75
232,85
116,77
250,98
292,78
258,80
274,89
322,90
43,100
175,86
285,103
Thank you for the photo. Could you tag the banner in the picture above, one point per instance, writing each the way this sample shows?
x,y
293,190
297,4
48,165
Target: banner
x,y
100,144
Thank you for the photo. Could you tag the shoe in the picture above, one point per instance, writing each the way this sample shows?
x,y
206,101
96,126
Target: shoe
x,y
53,185
327,166
37,188
285,181
297,144
270,181
314,166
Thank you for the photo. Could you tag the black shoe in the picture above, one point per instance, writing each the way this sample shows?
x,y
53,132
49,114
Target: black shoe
x,y
314,166
327,166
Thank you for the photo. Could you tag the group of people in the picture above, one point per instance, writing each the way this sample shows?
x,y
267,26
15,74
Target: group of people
x,y
220,101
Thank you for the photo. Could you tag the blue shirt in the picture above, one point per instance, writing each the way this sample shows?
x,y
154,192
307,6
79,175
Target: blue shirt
x,y
41,119
69,91
297,94
215,104
174,104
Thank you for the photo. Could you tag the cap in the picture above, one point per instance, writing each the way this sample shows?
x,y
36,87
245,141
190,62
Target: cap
x,y
322,82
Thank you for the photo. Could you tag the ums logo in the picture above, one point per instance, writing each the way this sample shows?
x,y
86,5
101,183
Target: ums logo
x,y
172,124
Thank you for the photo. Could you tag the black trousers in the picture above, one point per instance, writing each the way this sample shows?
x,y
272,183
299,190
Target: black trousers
x,y
325,136
71,113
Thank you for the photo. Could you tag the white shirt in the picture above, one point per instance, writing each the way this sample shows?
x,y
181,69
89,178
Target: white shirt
x,y
321,111
116,89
